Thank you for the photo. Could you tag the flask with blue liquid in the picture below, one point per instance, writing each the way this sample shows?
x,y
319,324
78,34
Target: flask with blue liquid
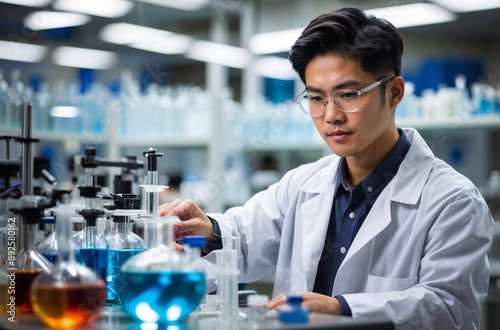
x,y
122,243
93,252
161,284
49,246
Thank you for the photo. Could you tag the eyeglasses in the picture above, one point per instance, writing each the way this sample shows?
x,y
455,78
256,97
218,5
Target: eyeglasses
x,y
347,100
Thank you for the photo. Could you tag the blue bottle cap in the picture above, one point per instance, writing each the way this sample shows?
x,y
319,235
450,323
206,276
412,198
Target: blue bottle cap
x,y
294,299
48,219
195,241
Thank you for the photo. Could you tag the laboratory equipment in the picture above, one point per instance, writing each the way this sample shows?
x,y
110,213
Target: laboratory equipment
x,y
48,247
257,309
70,295
293,311
122,242
227,277
160,284
28,263
93,251
152,189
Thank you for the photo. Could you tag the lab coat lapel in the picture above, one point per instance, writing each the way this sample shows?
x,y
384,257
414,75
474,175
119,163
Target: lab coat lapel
x,y
316,216
377,219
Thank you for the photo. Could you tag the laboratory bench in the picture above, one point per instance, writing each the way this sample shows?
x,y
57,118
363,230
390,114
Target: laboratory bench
x,y
114,318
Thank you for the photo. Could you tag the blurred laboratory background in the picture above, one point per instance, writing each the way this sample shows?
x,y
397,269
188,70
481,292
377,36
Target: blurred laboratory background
x,y
207,84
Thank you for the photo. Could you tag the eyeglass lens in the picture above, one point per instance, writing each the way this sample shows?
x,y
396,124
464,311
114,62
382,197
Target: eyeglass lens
x,y
345,100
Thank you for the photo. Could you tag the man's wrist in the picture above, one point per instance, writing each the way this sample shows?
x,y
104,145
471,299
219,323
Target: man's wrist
x,y
214,240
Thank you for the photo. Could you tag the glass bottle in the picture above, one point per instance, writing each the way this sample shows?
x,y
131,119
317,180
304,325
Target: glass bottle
x,y
70,295
122,243
29,263
15,100
158,284
257,309
4,90
293,311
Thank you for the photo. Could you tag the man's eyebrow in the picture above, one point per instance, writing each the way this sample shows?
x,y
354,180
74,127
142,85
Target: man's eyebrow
x,y
345,84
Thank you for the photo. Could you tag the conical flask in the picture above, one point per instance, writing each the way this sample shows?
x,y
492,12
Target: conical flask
x,y
93,252
49,247
70,295
159,285
29,263
122,243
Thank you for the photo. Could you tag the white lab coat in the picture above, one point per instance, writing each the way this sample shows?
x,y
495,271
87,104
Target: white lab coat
x,y
420,257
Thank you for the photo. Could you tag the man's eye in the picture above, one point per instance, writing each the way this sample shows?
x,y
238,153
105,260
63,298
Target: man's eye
x,y
316,99
347,95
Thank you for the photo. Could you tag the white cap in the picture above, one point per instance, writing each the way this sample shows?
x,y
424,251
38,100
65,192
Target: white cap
x,y
257,300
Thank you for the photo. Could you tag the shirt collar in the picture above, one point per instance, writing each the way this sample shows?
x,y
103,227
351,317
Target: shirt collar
x,y
376,181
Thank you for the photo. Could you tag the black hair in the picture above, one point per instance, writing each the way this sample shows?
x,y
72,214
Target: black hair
x,y
350,32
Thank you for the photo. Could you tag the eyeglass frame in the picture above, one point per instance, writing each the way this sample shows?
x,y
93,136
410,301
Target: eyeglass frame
x,y
326,99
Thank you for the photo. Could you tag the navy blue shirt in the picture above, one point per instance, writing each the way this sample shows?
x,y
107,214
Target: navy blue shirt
x,y
349,210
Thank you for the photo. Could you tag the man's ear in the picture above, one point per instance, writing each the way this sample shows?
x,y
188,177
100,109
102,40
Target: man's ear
x,y
397,90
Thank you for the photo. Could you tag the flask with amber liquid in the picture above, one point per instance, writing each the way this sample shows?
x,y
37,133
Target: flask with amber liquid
x,y
29,263
71,294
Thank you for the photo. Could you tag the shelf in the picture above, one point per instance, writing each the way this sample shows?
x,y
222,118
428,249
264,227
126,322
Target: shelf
x,y
454,123
165,142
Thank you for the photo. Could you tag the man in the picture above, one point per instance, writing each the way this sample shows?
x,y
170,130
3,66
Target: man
x,y
381,227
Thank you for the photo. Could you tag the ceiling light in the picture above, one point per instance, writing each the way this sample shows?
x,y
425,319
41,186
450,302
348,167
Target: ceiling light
x,y
188,5
125,33
108,8
29,3
466,6
215,53
274,42
274,67
64,112
169,44
16,51
84,58
145,38
413,14
44,20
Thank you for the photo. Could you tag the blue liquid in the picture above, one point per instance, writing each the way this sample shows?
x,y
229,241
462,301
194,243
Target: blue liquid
x,y
162,297
96,259
51,257
115,261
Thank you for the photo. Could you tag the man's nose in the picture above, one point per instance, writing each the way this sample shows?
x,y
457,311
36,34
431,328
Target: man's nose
x,y
332,111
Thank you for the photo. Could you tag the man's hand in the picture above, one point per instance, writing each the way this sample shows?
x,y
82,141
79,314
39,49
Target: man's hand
x,y
315,302
193,219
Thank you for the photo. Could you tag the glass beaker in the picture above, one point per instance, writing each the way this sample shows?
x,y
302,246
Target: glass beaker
x,y
159,285
70,294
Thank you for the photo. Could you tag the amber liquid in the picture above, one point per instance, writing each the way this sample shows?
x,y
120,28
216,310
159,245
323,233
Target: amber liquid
x,y
24,279
68,305
3,298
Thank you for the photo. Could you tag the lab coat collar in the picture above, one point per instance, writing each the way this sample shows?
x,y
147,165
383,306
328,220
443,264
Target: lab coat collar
x,y
409,182
324,179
